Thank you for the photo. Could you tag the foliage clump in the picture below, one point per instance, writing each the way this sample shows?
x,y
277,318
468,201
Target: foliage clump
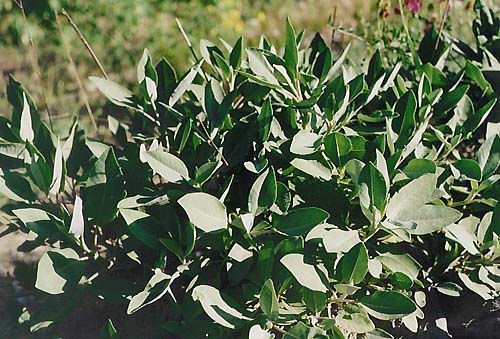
x,y
269,192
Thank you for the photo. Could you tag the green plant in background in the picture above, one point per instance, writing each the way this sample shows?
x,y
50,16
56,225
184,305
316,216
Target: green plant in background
x,y
267,192
118,40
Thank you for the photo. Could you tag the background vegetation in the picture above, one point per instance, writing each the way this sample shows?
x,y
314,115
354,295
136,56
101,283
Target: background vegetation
x,y
118,31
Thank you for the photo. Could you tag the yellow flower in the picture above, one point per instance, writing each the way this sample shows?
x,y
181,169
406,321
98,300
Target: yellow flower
x,y
261,16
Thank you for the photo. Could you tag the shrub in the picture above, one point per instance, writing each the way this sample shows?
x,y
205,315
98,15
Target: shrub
x,y
268,192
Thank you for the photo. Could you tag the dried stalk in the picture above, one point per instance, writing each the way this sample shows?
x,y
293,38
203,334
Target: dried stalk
x,y
34,60
85,42
75,73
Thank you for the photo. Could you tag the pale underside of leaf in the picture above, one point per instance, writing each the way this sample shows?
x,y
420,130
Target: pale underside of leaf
x,y
305,274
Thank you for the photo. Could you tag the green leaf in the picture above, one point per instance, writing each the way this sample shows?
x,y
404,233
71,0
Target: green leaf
x,y
475,74
403,263
304,143
16,95
211,102
435,75
38,169
387,305
353,318
312,167
337,148
335,240
408,205
205,172
301,221
401,281
182,134
419,167
488,156
378,334
58,172
147,78
157,286
205,211
375,68
216,308
256,332
375,182
450,99
42,223
468,168
165,164
300,330
222,64
473,122
117,94
261,68
167,79
26,132
494,224
464,233
480,289
305,274
283,197
406,106
450,288
143,226
314,300
103,189
291,53
183,85
12,150
268,300
265,118
236,54
108,331
355,264
77,225
15,187
59,270
263,192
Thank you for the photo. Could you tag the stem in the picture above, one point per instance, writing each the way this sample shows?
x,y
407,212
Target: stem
x,y
190,46
403,18
186,39
450,149
350,34
284,332
211,142
34,61
443,20
341,300
85,43
75,72
465,202
332,43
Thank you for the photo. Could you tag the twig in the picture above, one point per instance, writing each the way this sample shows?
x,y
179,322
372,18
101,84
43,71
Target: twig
x,y
190,45
350,34
211,142
441,26
34,61
75,72
85,43
279,329
332,42
405,23
186,38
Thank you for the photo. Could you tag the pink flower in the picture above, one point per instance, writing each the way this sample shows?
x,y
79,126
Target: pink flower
x,y
413,5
